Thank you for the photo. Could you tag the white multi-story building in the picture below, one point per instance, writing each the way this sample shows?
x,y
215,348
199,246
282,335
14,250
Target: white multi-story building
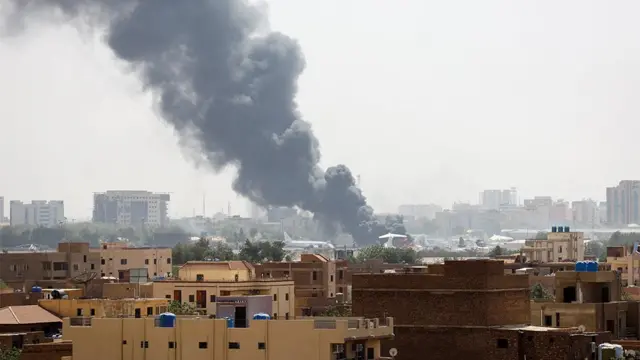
x,y
131,208
37,213
496,199
586,212
1,209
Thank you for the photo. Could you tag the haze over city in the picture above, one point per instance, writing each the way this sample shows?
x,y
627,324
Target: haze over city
x,y
428,102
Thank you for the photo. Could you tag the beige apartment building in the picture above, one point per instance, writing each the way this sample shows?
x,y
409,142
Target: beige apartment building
x,y
315,279
560,245
69,260
117,258
192,338
201,283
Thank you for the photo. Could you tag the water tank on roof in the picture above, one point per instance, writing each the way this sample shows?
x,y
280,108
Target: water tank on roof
x,y
567,229
554,229
36,289
230,322
592,266
581,266
58,294
261,316
167,320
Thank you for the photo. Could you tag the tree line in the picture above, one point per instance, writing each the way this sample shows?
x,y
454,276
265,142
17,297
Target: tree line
x,y
251,251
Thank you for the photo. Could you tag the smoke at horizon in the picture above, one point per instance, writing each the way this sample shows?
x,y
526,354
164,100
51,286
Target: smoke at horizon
x,y
225,82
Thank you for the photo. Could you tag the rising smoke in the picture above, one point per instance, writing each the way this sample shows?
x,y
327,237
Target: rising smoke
x,y
223,80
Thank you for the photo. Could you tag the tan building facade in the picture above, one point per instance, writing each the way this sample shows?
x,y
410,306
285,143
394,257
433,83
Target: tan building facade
x,y
315,278
212,339
105,307
559,246
216,270
117,258
70,260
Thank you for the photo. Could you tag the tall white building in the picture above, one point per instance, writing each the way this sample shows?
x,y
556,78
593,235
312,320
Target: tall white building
x,y
37,213
131,208
1,209
495,199
586,212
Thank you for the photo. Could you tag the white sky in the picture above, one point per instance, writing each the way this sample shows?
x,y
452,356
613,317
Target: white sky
x,y
456,96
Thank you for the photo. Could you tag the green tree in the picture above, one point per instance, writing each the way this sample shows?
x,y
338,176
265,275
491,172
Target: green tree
x,y
250,252
540,293
388,255
220,251
541,235
496,251
461,242
341,310
184,308
10,354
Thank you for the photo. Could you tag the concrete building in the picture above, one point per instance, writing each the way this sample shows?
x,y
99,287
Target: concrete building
x,y
625,260
38,213
623,203
70,260
105,307
2,209
560,245
117,258
419,211
202,338
585,213
202,283
464,310
131,208
314,277
496,199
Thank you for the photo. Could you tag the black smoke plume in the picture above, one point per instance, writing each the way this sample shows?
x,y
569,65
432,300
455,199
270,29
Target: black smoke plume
x,y
223,79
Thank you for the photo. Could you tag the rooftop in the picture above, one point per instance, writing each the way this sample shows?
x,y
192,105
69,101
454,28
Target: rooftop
x,y
230,265
28,314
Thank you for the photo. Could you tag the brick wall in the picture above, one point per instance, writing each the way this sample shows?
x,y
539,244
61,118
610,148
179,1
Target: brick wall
x,y
50,351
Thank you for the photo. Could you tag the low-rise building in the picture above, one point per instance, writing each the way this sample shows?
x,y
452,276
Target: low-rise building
x,y
203,338
625,260
314,277
118,257
560,245
105,307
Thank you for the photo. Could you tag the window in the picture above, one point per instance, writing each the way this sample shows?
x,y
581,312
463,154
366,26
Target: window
x,y
286,316
84,258
275,297
261,346
46,265
123,261
102,274
199,277
502,343
93,266
559,249
548,321
102,261
146,261
275,316
78,312
93,312
155,261
225,292
286,296
57,266
202,345
172,345
75,267
144,344
341,274
168,260
331,295
340,290
149,311
192,298
331,278
124,342
212,298
234,345
167,296
314,275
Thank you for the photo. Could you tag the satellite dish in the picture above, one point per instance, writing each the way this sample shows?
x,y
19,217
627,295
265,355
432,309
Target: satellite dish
x,y
393,351
581,328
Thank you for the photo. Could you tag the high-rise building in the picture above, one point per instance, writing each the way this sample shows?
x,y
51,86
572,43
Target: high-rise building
x,y
585,212
495,199
38,213
131,208
1,209
623,203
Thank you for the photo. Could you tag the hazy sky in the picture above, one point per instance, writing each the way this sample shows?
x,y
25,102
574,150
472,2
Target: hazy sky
x,y
429,101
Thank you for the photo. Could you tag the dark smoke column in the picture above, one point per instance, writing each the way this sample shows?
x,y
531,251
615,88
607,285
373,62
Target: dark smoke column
x,y
223,82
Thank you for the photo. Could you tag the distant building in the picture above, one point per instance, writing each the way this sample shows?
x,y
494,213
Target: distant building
x,y
131,208
585,212
117,258
1,209
495,199
38,213
417,211
623,203
560,245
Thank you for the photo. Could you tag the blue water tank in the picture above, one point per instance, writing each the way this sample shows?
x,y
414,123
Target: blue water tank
x,y
592,266
230,322
566,229
36,289
167,320
261,316
581,266
554,229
